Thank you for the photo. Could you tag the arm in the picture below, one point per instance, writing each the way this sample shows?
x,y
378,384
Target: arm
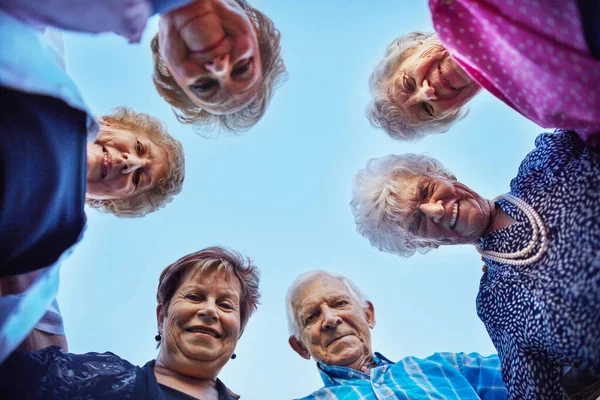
x,y
123,17
49,331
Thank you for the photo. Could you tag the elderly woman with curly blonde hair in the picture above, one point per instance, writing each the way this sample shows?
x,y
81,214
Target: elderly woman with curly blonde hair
x,y
135,166
540,295
534,57
217,63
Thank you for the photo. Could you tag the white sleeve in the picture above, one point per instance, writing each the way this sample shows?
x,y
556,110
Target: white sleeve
x,y
52,321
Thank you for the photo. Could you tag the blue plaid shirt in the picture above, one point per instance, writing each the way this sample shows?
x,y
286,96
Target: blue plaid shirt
x,y
440,376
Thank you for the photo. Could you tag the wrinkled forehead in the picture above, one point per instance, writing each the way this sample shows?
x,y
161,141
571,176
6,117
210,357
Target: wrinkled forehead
x,y
217,276
316,290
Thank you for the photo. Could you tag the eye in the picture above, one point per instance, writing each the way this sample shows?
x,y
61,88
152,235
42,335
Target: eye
x,y
139,147
409,83
415,222
309,319
424,193
340,303
204,85
226,305
243,67
192,297
137,177
428,109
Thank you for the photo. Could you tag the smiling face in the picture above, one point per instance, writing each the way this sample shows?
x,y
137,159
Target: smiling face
x,y
201,325
429,85
334,328
211,50
444,210
122,164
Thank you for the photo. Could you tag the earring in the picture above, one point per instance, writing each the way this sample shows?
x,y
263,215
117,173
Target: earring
x,y
233,356
157,337
97,203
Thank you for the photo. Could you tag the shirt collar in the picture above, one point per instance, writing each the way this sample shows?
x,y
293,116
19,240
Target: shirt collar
x,y
329,373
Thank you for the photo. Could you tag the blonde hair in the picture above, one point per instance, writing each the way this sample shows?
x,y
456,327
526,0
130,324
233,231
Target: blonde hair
x,y
376,205
274,73
383,113
163,192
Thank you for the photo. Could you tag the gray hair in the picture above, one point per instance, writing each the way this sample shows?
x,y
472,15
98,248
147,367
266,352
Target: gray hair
x,y
383,113
376,204
354,291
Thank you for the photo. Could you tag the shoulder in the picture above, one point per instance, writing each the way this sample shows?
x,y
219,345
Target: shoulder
x,y
225,393
554,154
55,374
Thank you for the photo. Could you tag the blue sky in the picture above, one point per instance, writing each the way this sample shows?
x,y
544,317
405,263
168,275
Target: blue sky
x,y
279,193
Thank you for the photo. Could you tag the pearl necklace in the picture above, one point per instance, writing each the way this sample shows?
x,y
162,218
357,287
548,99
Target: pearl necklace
x,y
539,229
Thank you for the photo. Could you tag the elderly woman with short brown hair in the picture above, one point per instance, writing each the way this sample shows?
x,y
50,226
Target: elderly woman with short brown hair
x,y
533,57
217,62
540,296
204,302
135,166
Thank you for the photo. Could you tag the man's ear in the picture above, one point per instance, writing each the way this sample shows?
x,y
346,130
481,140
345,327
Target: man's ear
x,y
370,314
160,317
299,347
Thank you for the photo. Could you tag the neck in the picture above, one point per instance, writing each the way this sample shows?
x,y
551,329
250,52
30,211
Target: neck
x,y
205,389
363,364
498,220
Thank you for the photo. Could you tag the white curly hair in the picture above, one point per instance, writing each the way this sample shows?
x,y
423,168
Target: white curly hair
x,y
377,206
354,291
383,113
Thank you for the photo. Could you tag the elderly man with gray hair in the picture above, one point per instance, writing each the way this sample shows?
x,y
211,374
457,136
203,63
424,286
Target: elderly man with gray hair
x,y
330,320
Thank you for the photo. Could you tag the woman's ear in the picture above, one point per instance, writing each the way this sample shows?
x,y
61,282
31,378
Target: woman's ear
x,y
160,317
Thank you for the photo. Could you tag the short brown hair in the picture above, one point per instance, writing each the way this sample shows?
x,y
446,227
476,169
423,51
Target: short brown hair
x,y
274,73
223,260
163,193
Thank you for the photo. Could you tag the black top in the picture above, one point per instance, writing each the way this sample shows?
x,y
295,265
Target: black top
x,y
42,180
55,375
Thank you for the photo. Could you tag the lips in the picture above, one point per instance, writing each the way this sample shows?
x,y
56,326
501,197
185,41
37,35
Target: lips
x,y
336,339
204,330
444,81
454,219
212,47
106,165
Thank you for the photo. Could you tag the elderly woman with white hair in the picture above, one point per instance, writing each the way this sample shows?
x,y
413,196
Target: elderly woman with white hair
x,y
534,57
540,296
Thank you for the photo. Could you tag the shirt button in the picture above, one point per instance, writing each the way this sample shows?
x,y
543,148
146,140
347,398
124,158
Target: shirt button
x,y
376,384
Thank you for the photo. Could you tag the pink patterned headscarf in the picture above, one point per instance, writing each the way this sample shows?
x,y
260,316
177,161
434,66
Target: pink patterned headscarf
x,y
530,54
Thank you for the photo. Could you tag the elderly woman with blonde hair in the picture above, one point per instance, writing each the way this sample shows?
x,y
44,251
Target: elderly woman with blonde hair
x,y
205,300
135,166
540,296
534,57
217,62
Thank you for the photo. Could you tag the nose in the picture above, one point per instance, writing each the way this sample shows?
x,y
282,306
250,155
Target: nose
x,y
434,211
130,163
330,319
208,311
426,92
219,65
